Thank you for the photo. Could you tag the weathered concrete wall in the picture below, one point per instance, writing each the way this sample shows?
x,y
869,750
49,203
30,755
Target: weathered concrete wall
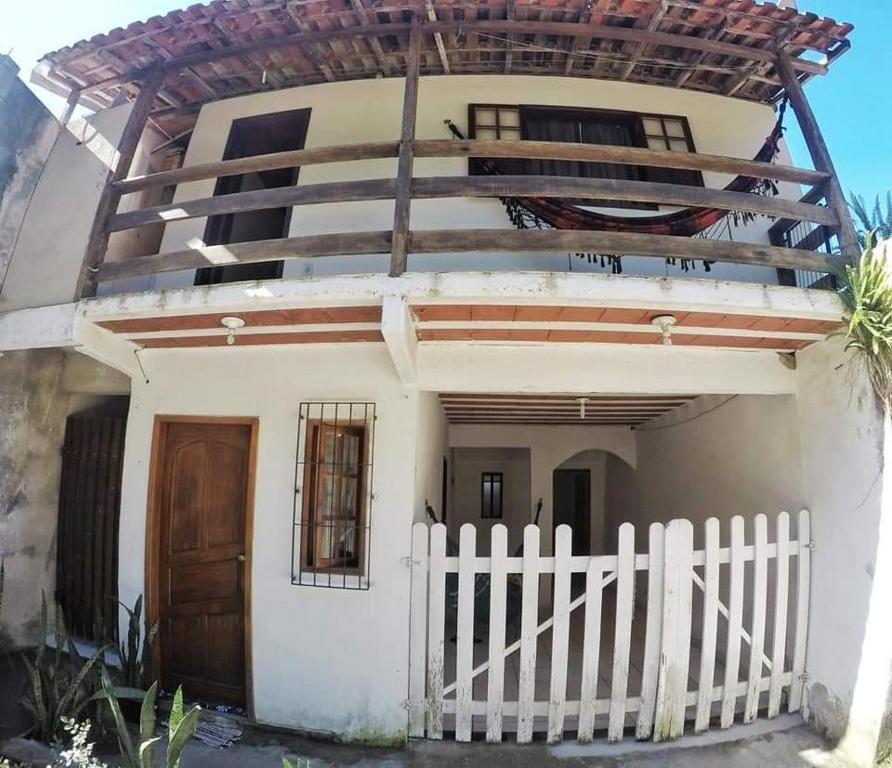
x,y
47,258
38,390
27,133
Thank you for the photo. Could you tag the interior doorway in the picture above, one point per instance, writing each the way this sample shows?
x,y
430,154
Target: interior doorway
x,y
199,569
572,505
249,136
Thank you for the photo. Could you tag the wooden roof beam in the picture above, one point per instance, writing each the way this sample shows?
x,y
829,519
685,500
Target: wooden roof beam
x,y
654,23
308,42
510,27
585,17
510,11
438,37
374,43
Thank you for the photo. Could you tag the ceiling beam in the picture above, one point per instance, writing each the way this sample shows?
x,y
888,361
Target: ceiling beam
x,y
374,42
655,21
438,37
306,39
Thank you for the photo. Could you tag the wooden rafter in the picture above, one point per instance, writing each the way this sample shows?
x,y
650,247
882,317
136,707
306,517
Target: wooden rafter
x,y
654,23
374,43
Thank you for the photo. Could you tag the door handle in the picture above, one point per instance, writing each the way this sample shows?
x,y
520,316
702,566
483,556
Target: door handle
x,y
241,558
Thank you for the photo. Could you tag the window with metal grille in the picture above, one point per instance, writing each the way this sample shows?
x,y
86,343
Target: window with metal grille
x,y
333,497
491,495
585,126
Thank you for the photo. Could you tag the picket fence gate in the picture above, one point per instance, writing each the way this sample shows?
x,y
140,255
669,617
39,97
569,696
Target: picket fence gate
x,y
738,605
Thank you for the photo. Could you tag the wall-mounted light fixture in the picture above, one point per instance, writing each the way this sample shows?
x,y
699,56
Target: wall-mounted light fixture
x,y
665,323
232,324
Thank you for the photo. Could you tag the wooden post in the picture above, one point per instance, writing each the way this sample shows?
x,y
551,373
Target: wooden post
x,y
110,197
399,247
70,106
820,154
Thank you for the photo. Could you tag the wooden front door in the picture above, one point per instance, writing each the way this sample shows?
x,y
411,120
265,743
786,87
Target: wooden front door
x,y
203,498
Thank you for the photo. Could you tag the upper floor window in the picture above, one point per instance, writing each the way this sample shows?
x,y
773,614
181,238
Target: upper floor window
x,y
586,126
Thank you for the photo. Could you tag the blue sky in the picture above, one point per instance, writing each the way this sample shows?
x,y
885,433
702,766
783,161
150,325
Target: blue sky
x,y
852,104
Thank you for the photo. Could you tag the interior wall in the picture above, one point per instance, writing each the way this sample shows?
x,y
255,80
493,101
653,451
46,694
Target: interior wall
x,y
549,447
468,466
712,458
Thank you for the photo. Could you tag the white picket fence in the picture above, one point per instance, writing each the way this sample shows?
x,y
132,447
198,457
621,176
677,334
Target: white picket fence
x,y
738,666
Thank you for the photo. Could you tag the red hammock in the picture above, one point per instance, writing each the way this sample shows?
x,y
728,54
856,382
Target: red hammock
x,y
539,212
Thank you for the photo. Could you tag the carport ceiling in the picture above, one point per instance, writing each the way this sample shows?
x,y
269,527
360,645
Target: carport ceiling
x,y
575,409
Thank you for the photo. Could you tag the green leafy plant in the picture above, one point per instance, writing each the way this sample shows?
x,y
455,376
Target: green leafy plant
x,y
59,683
136,660
302,762
80,753
867,294
181,726
876,220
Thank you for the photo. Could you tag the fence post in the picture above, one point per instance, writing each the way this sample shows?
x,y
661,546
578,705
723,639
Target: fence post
x,y
560,633
760,598
622,637
678,582
495,682
653,631
803,582
417,630
464,641
709,627
529,620
735,623
436,610
591,650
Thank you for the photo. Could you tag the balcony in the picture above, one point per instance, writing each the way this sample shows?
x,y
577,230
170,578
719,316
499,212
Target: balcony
x,y
809,214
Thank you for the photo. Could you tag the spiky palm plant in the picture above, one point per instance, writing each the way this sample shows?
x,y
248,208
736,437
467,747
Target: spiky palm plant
x,y
59,680
876,220
867,294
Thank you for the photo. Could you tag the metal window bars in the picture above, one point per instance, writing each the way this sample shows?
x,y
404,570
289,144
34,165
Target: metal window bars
x,y
332,517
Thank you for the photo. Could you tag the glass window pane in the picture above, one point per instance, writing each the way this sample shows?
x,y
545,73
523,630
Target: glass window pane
x,y
509,118
679,145
652,127
675,129
497,499
485,116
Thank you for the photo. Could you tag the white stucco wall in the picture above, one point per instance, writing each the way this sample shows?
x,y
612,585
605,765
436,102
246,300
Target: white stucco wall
x,y
845,483
549,448
369,110
322,659
740,459
431,448
517,507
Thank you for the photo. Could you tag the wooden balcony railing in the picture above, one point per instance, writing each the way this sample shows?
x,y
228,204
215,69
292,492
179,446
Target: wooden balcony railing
x,y
401,240
475,240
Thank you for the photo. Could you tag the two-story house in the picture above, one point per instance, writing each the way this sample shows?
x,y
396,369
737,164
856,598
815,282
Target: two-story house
x,y
450,369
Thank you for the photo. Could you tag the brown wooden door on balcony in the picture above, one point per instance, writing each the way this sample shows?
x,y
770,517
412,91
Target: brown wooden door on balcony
x,y
249,136
202,502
